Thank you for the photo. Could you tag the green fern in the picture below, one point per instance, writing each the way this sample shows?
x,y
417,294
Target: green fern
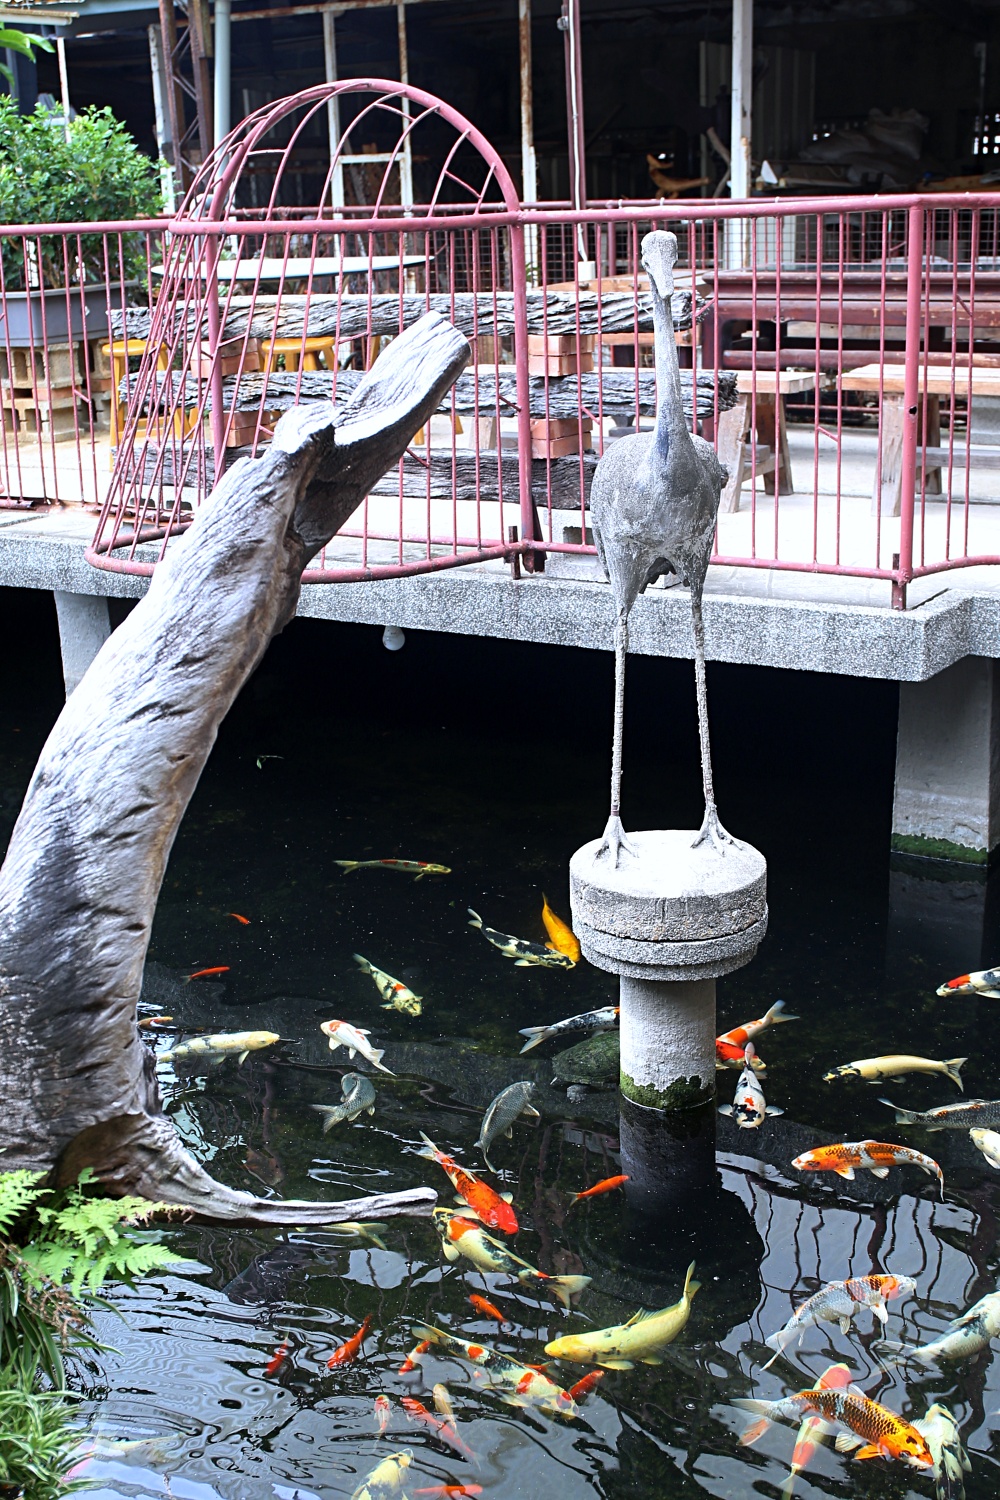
x,y
19,1191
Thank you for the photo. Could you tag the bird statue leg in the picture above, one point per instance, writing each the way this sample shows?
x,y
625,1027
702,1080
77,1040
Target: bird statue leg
x,y
711,829
614,840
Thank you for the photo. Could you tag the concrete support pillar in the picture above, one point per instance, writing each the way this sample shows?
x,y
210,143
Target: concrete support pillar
x,y
667,1041
947,796
84,626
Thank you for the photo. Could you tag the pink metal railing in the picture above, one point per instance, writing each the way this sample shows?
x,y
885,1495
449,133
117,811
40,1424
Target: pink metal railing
x,y
842,353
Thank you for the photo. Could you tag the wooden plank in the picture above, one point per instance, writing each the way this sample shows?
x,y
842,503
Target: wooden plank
x,y
936,380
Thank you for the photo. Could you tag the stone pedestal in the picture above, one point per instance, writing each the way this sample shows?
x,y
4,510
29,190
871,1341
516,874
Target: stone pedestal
x,y
669,921
84,626
947,796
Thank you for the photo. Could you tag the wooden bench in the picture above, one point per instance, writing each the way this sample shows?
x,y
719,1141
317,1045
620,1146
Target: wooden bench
x,y
934,382
760,414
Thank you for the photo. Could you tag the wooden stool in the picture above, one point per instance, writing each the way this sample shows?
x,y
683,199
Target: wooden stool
x,y
308,350
760,401
120,351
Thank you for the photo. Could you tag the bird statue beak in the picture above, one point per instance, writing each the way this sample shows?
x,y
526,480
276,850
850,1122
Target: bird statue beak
x,y
659,252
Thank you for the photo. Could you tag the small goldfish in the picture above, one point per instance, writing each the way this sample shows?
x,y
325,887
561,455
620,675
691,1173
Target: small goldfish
x,y
525,1385
395,994
562,939
383,1413
243,921
520,950
149,1023
218,1047
418,868
838,1302
813,1429
605,1019
748,1108
276,1361
740,1035
355,1039
493,1208
886,1435
439,1427
349,1351
445,1491
586,1385
481,1304
410,1362
982,982
845,1157
641,1338
205,973
461,1236
386,1479
608,1185
877,1069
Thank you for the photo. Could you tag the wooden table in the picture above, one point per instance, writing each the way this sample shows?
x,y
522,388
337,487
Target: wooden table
x,y
760,409
934,382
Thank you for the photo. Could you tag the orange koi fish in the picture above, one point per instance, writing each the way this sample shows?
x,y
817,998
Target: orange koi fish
x,y
410,1362
585,1386
813,1429
481,1305
349,1351
732,1055
439,1427
383,1412
149,1023
982,982
491,1207
886,1435
204,973
277,1360
607,1185
243,921
562,938
845,1157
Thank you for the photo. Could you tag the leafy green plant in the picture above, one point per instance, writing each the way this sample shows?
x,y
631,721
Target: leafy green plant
x,y
23,42
38,1443
88,171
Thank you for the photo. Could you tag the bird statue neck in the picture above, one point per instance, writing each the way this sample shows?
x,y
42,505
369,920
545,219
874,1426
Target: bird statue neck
x,y
671,426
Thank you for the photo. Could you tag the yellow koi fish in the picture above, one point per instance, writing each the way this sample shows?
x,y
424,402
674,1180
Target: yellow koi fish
x,y
562,938
395,994
386,1479
463,1236
220,1046
639,1339
876,1069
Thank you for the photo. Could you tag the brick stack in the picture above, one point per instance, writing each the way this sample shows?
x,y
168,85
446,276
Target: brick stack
x,y
40,390
556,355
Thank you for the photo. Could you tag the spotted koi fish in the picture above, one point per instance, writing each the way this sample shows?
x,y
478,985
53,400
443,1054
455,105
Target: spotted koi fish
x,y
748,1108
395,994
520,950
965,1335
846,1157
522,1384
812,1429
839,1302
982,982
885,1434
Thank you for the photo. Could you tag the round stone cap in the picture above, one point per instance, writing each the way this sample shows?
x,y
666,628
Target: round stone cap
x,y
671,911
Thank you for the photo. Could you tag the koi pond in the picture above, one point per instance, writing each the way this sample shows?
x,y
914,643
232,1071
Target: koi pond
x,y
491,759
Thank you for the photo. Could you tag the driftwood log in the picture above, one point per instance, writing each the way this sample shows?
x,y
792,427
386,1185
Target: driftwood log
x,y
79,886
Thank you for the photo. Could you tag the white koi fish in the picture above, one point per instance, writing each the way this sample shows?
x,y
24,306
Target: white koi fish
x,y
386,1479
988,1142
749,1108
220,1046
355,1039
839,1302
951,1462
876,1069
965,1335
982,982
395,994
605,1019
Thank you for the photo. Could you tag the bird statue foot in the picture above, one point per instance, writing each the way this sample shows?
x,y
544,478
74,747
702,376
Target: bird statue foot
x,y
615,841
712,831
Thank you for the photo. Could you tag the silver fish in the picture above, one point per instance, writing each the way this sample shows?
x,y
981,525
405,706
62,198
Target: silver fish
x,y
520,950
964,1336
950,1116
605,1019
499,1118
359,1096
839,1302
951,1462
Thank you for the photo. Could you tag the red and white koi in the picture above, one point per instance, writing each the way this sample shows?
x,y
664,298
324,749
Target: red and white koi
x,y
749,1108
395,994
982,982
847,1157
814,1430
412,1360
523,1385
839,1302
740,1035
355,1039
383,1413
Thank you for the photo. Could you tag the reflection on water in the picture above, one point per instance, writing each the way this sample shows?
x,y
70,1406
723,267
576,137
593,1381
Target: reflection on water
x,y
416,756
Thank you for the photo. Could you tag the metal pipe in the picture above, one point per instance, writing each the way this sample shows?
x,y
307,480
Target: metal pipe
x,y
911,396
529,164
406,164
223,69
333,106
569,24
742,100
63,81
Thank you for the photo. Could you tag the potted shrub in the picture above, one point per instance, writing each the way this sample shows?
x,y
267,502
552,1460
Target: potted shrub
x,y
51,173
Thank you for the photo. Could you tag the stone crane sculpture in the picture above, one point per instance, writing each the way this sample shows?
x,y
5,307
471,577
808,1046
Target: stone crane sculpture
x,y
79,885
654,503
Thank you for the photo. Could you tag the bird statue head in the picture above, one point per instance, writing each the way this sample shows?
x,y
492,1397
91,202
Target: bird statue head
x,y
659,255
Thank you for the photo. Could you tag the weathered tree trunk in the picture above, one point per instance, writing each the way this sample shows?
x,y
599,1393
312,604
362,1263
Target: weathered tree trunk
x,y
80,882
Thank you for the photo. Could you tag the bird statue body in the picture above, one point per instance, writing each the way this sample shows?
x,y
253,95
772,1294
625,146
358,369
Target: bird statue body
x,y
654,504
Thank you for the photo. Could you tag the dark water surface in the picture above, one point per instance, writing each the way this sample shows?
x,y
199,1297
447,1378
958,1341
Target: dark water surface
x,y
492,759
